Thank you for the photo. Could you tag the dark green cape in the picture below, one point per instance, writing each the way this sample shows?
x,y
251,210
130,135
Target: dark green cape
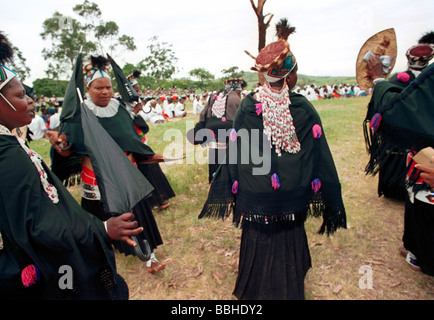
x,y
37,231
402,119
256,200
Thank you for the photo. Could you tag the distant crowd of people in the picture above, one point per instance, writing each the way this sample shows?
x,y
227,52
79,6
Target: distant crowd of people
x,y
162,104
334,91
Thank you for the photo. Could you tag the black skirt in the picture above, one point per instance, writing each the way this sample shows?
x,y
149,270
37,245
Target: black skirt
x,y
162,189
274,260
418,235
142,213
394,189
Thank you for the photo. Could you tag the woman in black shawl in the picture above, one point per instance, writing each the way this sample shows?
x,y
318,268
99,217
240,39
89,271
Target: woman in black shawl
x,y
215,121
278,171
42,227
115,119
401,121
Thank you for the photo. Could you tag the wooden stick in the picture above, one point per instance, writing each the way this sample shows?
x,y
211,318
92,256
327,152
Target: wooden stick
x,y
8,101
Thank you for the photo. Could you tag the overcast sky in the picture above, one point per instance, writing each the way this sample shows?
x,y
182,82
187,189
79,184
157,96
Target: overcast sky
x,y
214,34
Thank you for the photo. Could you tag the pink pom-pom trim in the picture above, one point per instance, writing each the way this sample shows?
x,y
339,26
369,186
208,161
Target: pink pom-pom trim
x,y
258,108
316,131
30,275
275,181
316,185
233,135
403,77
375,121
235,187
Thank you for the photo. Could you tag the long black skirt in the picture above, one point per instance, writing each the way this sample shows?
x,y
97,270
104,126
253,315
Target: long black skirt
x,y
162,189
142,213
394,189
274,260
418,235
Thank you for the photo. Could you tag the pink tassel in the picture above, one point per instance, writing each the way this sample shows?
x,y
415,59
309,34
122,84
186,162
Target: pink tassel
x,y
317,131
233,135
223,119
275,182
258,108
235,187
316,185
30,275
375,121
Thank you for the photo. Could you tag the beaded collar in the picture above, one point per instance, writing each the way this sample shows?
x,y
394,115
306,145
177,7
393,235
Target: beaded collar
x,y
277,119
102,112
219,106
36,159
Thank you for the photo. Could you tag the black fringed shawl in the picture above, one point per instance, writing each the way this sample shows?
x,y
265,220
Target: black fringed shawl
x,y
37,231
399,120
120,127
308,180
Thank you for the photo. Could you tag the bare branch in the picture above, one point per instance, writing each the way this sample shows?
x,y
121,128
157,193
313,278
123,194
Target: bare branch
x,y
269,20
254,8
261,5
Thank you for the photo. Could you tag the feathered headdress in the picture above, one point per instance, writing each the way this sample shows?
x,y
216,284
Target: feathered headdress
x,y
134,76
276,59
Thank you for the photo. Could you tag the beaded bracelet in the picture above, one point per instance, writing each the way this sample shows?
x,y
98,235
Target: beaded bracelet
x,y
378,80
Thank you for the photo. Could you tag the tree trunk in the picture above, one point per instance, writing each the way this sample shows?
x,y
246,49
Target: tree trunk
x,y
262,28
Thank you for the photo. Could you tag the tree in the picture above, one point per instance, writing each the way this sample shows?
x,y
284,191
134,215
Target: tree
x,y
50,87
106,33
18,64
201,74
232,72
262,27
160,64
69,35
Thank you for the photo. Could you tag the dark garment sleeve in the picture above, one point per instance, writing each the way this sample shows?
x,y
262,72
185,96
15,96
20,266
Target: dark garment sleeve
x,y
46,234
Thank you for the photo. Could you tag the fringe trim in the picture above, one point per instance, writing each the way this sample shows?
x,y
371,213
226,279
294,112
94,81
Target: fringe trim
x,y
381,152
333,217
72,181
220,209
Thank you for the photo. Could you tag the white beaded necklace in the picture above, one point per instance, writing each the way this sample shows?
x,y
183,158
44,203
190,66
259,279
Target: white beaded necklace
x,y
219,106
277,119
37,162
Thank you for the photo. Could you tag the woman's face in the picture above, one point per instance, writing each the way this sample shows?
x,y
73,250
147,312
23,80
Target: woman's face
x,y
101,91
25,109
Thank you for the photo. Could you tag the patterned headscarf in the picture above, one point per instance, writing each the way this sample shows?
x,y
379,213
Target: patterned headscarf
x,y
6,75
93,74
276,74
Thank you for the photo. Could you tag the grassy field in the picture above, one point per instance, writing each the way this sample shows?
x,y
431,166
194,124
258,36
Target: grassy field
x,y
202,255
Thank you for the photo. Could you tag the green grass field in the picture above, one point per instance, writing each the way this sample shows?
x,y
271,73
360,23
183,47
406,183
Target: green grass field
x,y
202,255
